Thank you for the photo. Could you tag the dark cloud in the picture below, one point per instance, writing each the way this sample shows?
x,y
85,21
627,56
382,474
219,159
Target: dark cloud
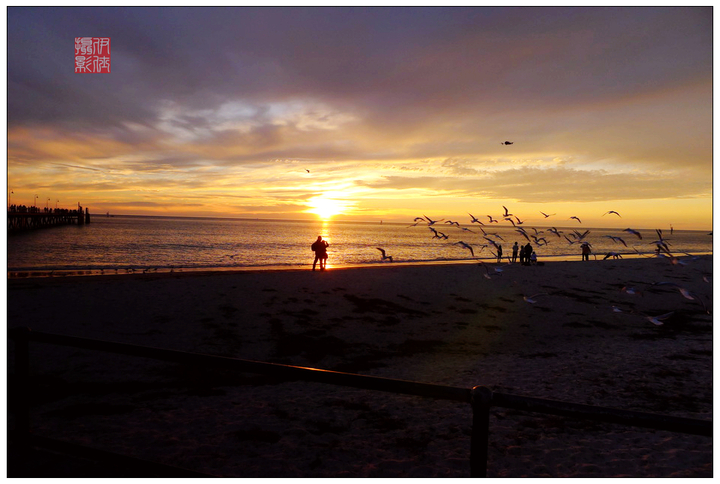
x,y
393,64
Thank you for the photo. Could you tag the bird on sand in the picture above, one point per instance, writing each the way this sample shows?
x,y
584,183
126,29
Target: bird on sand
x,y
612,211
531,299
488,275
384,256
630,290
658,320
467,246
506,142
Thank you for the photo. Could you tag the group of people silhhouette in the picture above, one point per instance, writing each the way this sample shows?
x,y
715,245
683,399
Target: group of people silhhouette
x,y
320,248
526,253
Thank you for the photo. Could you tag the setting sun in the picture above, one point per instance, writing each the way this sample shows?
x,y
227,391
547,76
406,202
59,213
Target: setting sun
x,y
325,207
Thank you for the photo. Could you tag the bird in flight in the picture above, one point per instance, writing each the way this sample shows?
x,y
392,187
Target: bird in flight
x,y
384,256
507,143
492,220
474,220
634,232
467,246
612,211
546,215
555,231
537,240
507,214
307,170
432,222
576,219
616,239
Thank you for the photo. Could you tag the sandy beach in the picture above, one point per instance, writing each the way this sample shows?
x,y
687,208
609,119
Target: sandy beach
x,y
573,331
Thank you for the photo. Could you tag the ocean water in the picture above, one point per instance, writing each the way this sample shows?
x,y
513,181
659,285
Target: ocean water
x,y
135,243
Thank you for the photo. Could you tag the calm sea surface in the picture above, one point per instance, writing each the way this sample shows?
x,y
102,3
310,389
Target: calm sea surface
x,y
133,243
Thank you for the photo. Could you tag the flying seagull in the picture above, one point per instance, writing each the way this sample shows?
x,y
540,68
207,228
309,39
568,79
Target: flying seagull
x,y
507,142
616,239
467,246
546,215
382,251
576,219
634,232
432,222
474,220
611,211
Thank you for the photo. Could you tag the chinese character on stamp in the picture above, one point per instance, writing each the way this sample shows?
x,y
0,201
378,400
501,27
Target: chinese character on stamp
x,y
92,55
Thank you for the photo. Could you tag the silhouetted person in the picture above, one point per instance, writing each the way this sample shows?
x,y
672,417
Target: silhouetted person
x,y
528,251
515,253
499,252
320,248
585,252
533,258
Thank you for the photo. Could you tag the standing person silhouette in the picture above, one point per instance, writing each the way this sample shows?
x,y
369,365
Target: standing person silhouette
x,y
515,253
320,248
499,252
585,249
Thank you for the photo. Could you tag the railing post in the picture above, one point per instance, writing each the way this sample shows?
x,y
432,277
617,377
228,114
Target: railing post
x,y
481,398
22,384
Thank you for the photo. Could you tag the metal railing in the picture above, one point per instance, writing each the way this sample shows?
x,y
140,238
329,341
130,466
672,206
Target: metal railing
x,y
481,399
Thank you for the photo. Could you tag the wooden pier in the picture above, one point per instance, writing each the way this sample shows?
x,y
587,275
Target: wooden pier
x,y
19,221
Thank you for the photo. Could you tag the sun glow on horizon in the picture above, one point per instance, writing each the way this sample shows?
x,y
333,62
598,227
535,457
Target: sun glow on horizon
x,y
325,206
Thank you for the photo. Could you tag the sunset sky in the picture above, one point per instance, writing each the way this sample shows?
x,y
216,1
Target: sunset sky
x,y
367,113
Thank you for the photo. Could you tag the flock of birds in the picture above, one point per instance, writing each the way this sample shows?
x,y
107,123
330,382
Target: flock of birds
x,y
539,238
492,239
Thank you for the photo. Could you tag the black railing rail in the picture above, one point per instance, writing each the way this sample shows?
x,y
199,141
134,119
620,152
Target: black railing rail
x,y
481,399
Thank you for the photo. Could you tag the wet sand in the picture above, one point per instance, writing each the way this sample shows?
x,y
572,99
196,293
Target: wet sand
x,y
443,324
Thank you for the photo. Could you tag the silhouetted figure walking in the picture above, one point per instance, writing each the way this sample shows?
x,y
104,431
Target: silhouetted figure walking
x,y
320,248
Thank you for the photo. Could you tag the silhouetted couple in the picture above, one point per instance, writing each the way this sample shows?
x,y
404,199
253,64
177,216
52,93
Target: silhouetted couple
x,y
320,248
